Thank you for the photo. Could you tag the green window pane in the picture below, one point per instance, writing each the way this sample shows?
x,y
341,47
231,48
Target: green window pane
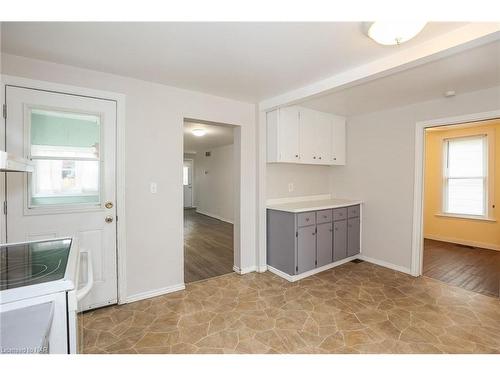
x,y
64,134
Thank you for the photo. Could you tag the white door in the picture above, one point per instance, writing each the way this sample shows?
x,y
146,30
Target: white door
x,y
72,141
188,183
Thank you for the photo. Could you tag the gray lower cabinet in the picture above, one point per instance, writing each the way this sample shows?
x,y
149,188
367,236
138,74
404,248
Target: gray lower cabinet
x,y
353,244
301,242
324,244
339,240
306,249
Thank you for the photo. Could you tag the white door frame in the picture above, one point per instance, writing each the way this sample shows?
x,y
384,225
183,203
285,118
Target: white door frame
x,y
418,190
119,99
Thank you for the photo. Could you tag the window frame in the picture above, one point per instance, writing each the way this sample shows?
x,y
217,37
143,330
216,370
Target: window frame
x,y
486,140
29,208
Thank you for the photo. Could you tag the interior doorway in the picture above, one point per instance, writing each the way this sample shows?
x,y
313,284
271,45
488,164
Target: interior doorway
x,y
210,169
461,231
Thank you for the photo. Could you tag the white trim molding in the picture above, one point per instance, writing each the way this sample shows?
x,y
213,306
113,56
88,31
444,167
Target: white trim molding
x,y
418,190
303,275
214,216
385,264
155,293
120,100
242,271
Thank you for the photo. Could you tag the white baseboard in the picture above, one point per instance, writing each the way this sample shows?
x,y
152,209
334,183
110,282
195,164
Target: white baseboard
x,y
214,216
262,268
244,270
385,264
293,278
463,242
155,293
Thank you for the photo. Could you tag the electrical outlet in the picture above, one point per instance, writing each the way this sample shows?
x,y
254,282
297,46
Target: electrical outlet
x,y
290,187
153,188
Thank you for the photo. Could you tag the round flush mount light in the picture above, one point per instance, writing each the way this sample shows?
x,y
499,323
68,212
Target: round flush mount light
x,y
394,33
199,132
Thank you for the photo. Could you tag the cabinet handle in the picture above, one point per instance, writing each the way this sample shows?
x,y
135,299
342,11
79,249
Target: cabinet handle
x,y
314,157
314,233
296,156
319,157
334,158
307,219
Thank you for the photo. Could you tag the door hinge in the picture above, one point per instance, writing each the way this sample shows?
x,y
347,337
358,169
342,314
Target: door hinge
x,y
116,218
296,268
296,234
4,111
315,262
5,207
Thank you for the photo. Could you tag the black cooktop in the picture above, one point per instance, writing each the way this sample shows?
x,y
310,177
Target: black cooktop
x,y
33,262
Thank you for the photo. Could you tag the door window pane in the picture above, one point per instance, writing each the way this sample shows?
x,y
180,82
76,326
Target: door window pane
x,y
65,151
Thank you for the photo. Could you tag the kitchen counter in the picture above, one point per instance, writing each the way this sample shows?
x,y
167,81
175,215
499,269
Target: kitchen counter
x,y
313,205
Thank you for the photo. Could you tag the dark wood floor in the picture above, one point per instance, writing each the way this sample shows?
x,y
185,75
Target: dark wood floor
x,y
208,247
471,268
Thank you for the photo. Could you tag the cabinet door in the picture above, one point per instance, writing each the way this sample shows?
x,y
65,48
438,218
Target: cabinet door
x,y
338,135
307,136
288,134
324,244
339,240
323,135
353,236
306,249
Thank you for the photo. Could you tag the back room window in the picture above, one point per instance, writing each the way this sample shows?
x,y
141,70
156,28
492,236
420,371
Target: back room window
x,y
465,175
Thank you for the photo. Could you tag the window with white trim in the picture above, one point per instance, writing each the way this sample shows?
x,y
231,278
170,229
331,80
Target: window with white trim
x,y
465,176
64,148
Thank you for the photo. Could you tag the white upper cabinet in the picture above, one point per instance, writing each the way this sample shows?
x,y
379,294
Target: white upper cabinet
x,y
305,136
283,135
338,140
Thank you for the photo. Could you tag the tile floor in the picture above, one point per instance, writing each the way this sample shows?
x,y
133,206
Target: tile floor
x,y
354,308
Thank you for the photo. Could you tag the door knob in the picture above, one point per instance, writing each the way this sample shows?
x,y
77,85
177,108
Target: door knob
x,y
108,219
108,205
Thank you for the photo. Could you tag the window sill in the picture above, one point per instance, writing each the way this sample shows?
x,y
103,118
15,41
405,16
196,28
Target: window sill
x,y
467,217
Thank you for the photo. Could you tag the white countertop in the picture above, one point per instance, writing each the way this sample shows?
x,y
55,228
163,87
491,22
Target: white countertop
x,y
313,205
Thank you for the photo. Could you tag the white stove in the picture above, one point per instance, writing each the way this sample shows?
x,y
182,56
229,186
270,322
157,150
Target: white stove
x,y
40,272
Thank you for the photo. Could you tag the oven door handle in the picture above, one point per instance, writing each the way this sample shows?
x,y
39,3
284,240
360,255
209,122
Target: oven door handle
x,y
82,292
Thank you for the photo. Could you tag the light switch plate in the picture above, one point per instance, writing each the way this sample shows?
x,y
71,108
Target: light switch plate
x,y
290,187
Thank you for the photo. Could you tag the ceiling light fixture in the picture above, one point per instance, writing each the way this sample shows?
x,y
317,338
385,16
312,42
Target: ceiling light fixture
x,y
199,132
394,33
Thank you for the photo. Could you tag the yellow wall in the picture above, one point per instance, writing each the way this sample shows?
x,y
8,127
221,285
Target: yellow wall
x,y
466,231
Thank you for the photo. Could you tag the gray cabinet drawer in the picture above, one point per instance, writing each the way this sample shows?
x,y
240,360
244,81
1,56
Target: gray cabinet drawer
x,y
340,213
353,211
306,218
323,216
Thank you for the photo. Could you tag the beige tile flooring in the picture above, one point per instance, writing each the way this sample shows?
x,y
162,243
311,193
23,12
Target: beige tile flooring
x,y
353,308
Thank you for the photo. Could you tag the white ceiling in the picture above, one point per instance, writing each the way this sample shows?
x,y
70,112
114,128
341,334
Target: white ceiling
x,y
245,61
467,71
216,136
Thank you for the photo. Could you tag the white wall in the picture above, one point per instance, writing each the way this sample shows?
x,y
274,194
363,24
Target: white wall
x,y
306,180
154,152
214,183
380,169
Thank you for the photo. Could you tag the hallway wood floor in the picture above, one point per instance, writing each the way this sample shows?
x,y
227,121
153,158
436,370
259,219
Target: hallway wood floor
x,y
208,247
470,268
